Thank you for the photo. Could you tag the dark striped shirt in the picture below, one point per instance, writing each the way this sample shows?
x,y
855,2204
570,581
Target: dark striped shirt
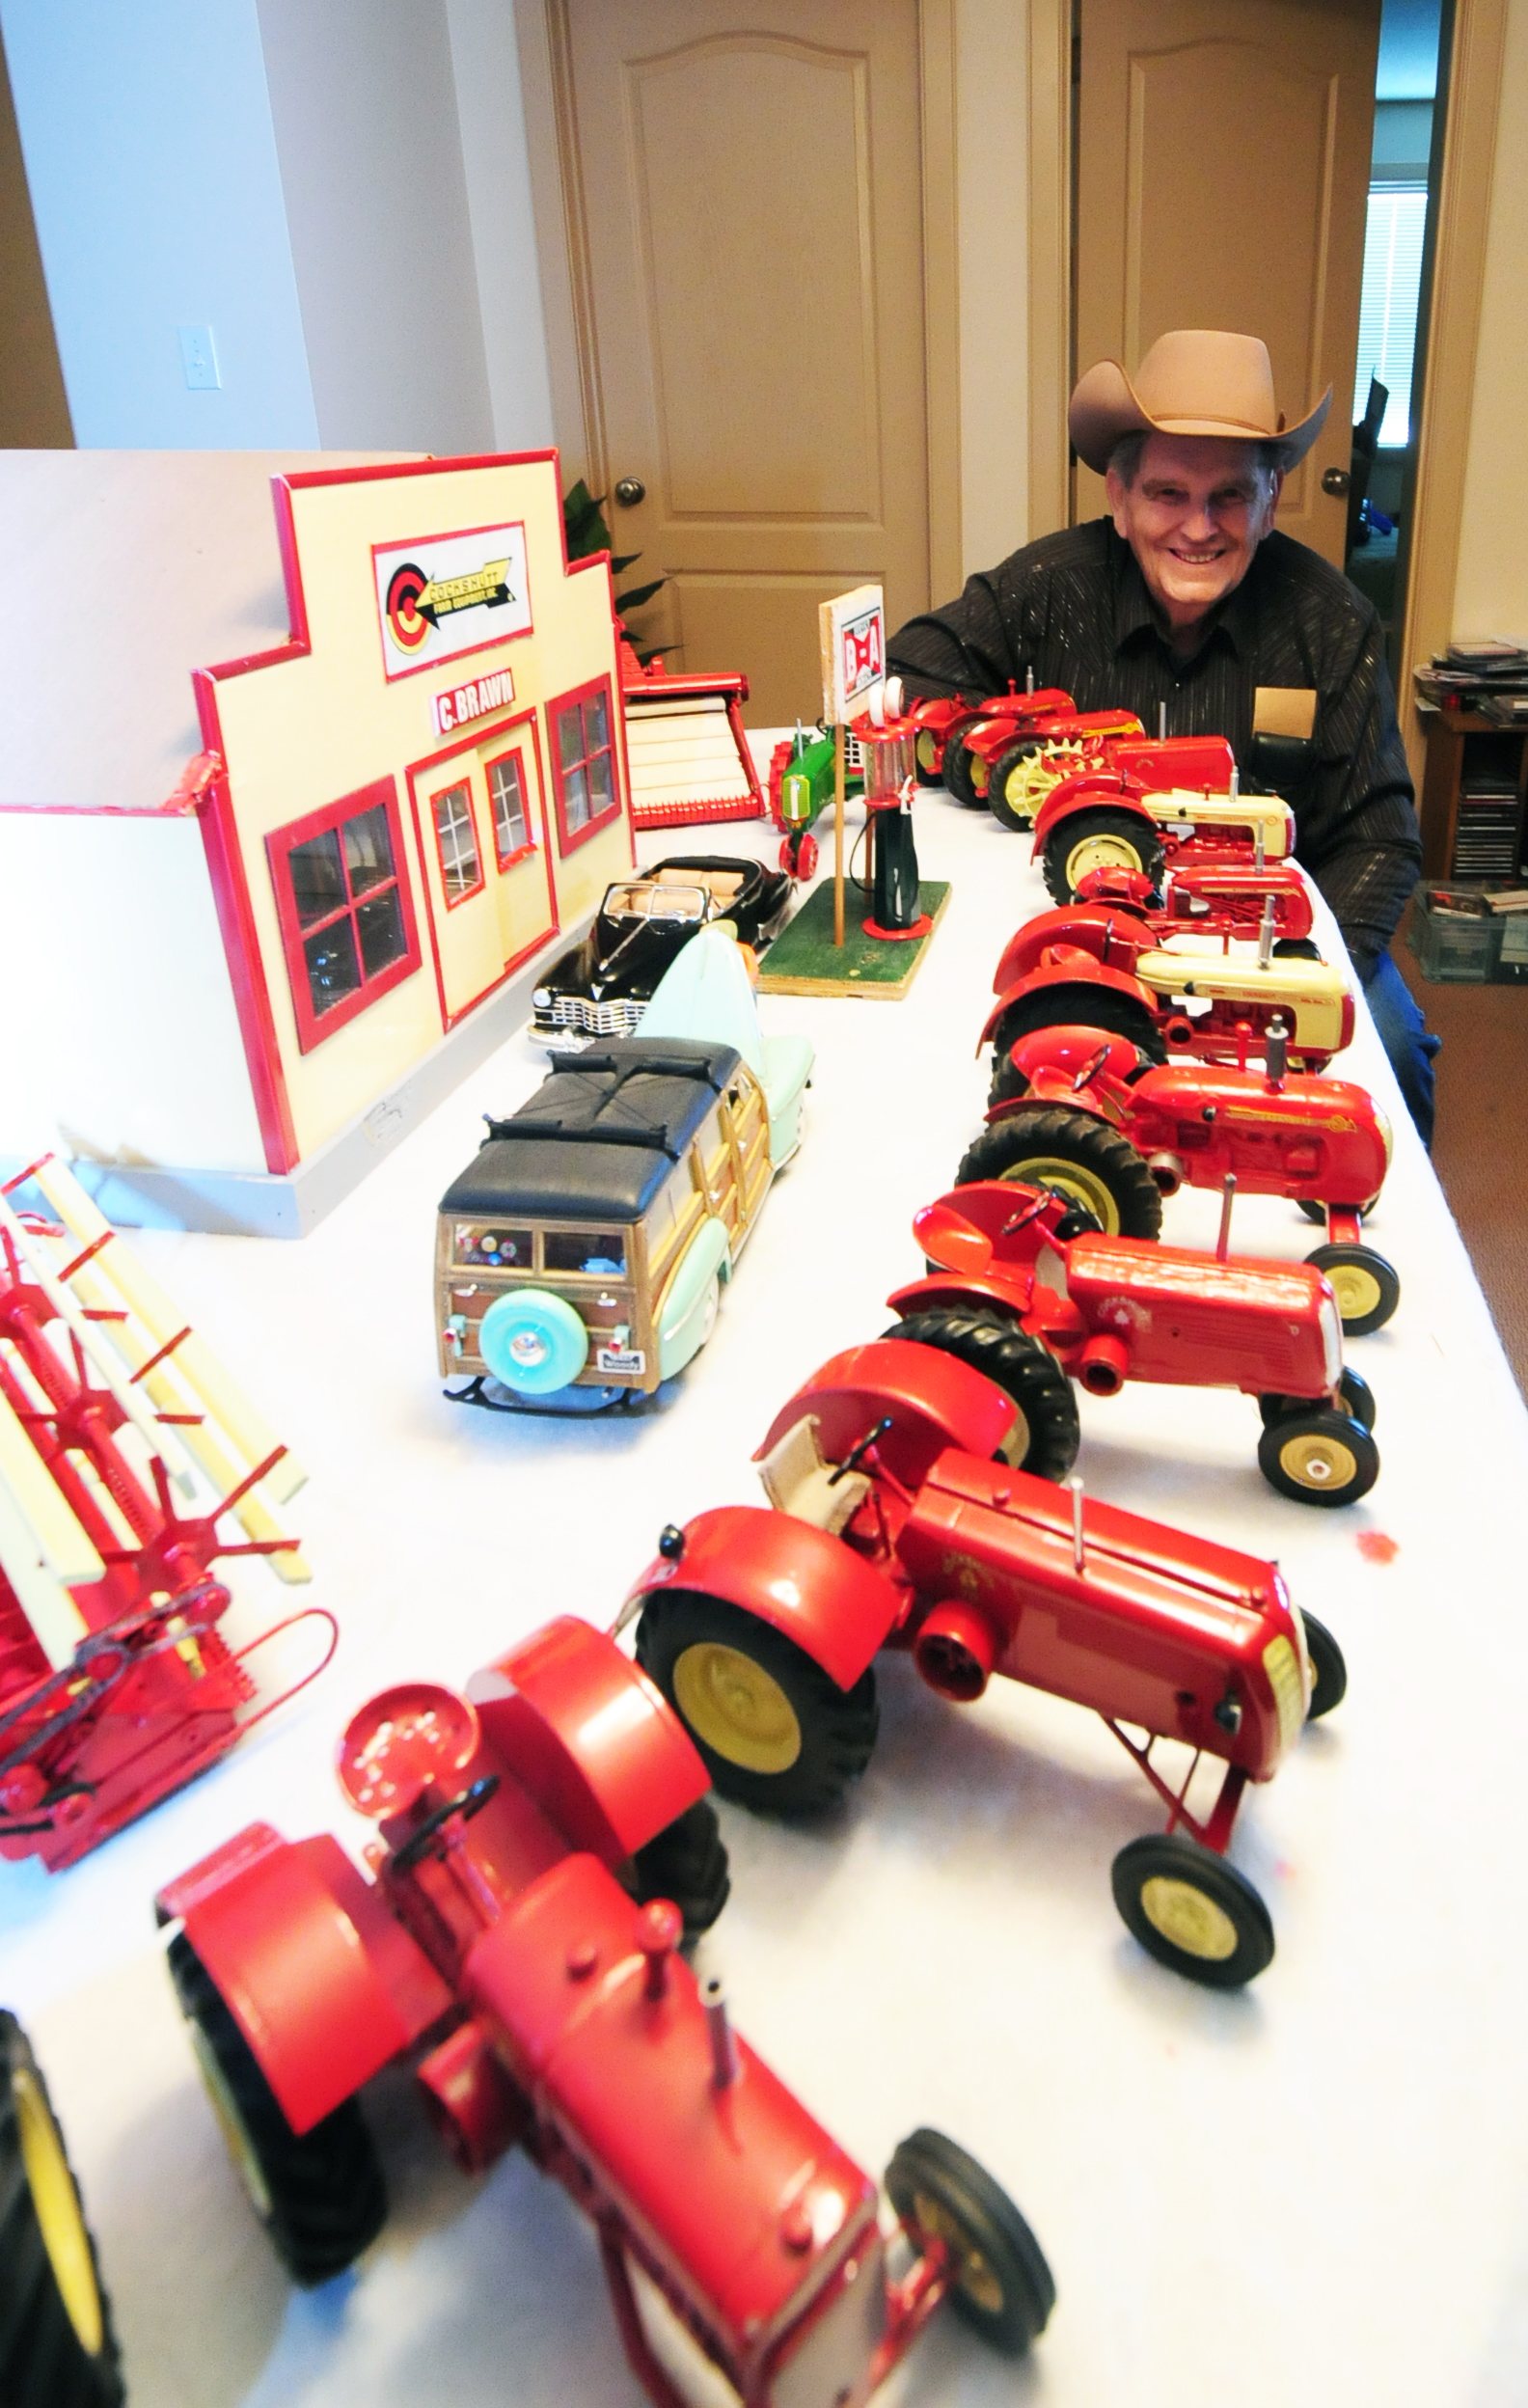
x,y
1073,608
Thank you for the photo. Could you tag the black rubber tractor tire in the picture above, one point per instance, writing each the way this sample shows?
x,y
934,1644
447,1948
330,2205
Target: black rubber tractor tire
x,y
1328,1669
1080,1006
760,1697
324,2200
57,2346
924,746
1047,1432
957,773
1318,1457
1367,1288
687,1864
1296,950
1003,2287
1191,1910
997,802
1139,848
1357,1403
1079,1156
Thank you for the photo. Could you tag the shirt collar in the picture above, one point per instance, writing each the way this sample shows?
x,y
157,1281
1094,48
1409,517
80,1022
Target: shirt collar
x,y
1134,619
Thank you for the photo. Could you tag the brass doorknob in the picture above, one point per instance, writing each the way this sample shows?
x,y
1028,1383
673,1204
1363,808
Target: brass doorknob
x,y
1336,481
629,491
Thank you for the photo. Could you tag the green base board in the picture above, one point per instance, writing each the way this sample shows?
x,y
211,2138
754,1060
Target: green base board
x,y
804,959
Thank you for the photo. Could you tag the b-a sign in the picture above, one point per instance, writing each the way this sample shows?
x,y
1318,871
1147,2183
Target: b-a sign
x,y
852,631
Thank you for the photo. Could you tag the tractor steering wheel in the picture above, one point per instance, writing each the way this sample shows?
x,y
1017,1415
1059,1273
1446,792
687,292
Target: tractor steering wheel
x,y
466,1803
861,1449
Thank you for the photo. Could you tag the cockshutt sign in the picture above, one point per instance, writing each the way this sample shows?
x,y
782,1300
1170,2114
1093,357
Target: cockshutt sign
x,y
439,596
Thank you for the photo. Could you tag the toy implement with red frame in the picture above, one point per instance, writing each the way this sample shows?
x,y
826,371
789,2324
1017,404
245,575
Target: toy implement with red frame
x,y
515,1940
124,1452
1022,1293
897,1522
1115,1134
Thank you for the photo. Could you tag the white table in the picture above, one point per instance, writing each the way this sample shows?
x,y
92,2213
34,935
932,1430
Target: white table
x,y
1313,2190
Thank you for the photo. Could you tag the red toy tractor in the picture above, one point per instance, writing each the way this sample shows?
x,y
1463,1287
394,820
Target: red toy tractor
x,y
1019,1293
1154,804
1115,1134
515,1939
124,1452
1226,899
1110,971
1010,758
898,1522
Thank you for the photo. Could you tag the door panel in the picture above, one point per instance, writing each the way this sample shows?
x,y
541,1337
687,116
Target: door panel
x,y
1223,150
753,221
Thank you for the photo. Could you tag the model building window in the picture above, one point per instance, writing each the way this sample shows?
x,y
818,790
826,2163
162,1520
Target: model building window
x,y
582,755
511,821
347,927
461,870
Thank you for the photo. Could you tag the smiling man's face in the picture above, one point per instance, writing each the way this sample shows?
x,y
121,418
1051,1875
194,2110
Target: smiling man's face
x,y
1196,513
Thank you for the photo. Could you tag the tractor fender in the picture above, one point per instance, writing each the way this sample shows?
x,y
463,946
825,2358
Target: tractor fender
x,y
590,1738
1091,788
1054,1061
943,1288
931,1401
320,1976
1069,984
1089,927
801,1581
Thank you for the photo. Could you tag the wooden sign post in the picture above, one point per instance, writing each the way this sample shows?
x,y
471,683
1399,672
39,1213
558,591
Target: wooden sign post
x,y
851,632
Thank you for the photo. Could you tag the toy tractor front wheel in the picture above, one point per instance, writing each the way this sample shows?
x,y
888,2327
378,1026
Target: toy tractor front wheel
x,y
926,758
960,773
1080,1006
1367,1287
57,2347
1046,1432
1077,1155
319,2194
1328,1669
1192,1911
776,1733
1357,1402
687,1864
1319,1456
1101,839
1000,2281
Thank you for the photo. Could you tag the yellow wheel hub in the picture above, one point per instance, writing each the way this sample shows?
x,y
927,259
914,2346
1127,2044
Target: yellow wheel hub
x,y
57,2213
736,1708
1099,852
1318,1461
230,2123
1187,1917
1031,780
925,748
1357,1290
973,2273
1078,1185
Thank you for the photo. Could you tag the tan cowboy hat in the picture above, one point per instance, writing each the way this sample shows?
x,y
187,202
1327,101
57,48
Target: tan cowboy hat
x,y
1194,381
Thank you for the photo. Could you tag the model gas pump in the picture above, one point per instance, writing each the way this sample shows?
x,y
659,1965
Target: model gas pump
x,y
887,748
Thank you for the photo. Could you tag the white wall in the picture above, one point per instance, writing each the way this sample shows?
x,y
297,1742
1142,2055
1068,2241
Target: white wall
x,y
364,109
491,108
1492,587
147,135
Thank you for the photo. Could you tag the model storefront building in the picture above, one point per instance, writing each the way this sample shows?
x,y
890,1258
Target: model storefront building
x,y
390,812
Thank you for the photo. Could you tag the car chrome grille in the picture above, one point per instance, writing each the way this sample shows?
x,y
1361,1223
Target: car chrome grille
x,y
594,1020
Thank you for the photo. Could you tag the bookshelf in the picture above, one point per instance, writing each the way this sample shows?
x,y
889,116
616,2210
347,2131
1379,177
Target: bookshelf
x,y
1473,789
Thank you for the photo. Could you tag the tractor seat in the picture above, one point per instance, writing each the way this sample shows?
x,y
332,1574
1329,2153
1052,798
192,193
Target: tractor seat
x,y
799,1480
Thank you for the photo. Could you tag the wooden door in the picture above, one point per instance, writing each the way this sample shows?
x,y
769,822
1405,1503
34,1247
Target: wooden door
x,y
747,178
1223,152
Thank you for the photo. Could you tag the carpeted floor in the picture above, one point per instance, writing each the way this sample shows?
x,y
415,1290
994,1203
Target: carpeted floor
x,y
1480,1149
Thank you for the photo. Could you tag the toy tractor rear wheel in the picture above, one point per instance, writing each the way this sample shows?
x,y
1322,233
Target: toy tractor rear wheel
x,y
959,774
1101,839
1318,1457
1000,2281
688,1865
57,2347
925,758
319,2194
1328,1669
1022,777
1077,1155
1192,1911
1367,1287
774,1730
1357,1403
1080,1006
1046,1432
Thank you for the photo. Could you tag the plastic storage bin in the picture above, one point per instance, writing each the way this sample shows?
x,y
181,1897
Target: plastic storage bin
x,y
1459,945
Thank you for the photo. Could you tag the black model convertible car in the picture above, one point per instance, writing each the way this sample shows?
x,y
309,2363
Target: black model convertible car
x,y
600,987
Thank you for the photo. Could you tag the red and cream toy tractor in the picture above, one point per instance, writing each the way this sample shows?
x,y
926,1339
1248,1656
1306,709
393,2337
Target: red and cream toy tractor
x,y
1154,804
896,1520
1017,1292
1116,1133
1228,899
543,1838
129,1465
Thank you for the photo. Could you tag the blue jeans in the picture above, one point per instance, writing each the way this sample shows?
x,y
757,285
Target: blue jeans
x,y
1404,1034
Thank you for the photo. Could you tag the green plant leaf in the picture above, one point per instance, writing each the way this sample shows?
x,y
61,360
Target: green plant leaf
x,y
639,594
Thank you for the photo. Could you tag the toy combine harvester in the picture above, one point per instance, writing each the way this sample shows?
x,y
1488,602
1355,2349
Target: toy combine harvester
x,y
129,1465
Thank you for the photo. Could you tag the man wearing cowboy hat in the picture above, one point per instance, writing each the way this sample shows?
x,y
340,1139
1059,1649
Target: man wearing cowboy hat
x,y
1186,596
